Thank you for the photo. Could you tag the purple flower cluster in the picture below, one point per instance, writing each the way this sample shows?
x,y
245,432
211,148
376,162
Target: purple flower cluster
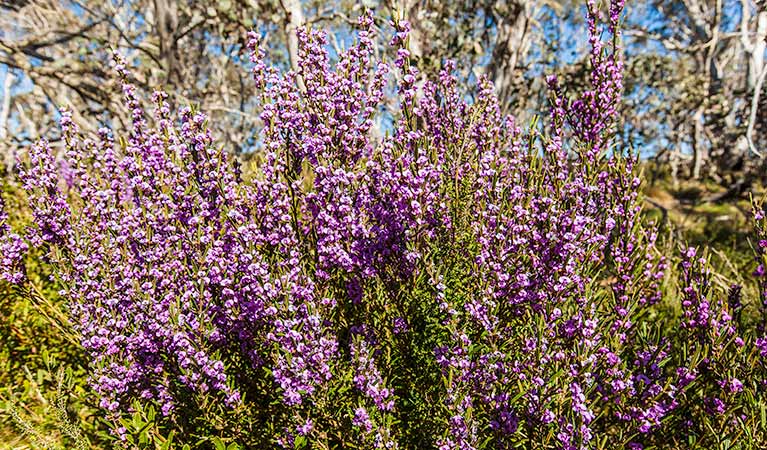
x,y
699,314
760,343
13,248
512,265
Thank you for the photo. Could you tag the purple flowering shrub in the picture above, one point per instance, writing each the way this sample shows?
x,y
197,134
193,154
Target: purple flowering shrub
x,y
760,274
460,283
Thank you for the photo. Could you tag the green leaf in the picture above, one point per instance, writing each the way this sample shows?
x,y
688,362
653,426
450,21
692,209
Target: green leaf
x,y
219,443
168,442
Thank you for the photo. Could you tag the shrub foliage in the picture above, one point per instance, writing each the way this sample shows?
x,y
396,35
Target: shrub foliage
x,y
460,283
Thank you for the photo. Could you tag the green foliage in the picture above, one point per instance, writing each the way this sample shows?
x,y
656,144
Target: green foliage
x,y
44,399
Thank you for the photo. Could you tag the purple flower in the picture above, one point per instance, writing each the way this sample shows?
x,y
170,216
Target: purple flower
x,y
362,420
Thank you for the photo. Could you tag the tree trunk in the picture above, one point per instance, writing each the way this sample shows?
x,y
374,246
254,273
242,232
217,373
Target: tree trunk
x,y
756,60
698,149
511,46
166,21
5,112
294,19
